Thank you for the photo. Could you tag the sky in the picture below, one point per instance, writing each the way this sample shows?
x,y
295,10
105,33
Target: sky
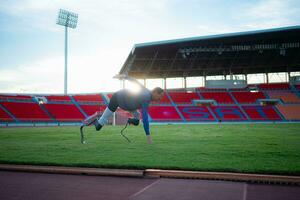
x,y
32,44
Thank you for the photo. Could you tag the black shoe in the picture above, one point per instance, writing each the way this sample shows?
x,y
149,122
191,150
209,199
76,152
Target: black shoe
x,y
133,121
97,125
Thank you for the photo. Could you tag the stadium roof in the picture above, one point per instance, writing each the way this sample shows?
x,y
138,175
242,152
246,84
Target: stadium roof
x,y
262,51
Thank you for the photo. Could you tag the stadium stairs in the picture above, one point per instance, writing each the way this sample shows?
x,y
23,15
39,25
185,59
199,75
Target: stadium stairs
x,y
176,106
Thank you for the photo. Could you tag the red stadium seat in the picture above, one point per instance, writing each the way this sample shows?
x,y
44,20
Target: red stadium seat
x,y
183,97
261,113
91,109
89,98
124,113
220,97
248,97
164,100
204,89
24,111
297,87
4,117
58,98
228,113
65,112
285,96
164,113
16,97
290,112
196,113
177,90
274,86
109,95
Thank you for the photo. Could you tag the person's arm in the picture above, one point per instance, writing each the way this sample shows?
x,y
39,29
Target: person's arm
x,y
146,122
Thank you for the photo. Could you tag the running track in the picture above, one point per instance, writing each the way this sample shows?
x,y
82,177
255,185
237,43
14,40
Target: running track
x,y
33,186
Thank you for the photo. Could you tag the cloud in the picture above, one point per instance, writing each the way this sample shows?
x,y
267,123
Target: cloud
x,y
38,76
271,13
98,47
92,13
267,9
86,74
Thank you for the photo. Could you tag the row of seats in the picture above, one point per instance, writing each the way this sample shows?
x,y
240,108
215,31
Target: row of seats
x,y
56,98
4,116
248,97
183,97
244,97
290,112
97,98
262,86
69,112
285,96
16,97
213,113
24,111
221,97
274,86
62,108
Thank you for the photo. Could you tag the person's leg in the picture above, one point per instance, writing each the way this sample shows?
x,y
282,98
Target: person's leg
x,y
112,107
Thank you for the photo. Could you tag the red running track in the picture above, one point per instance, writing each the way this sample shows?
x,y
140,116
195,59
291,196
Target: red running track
x,y
33,186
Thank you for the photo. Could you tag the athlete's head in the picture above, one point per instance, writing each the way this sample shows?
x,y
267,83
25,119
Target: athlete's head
x,y
157,94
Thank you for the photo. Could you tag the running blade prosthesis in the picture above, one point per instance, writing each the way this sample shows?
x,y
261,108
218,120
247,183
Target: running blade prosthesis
x,y
124,136
87,122
130,121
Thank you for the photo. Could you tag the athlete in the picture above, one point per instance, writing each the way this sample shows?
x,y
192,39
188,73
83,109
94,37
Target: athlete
x,y
130,101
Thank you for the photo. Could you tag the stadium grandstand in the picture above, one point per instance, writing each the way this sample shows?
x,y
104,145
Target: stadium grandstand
x,y
242,77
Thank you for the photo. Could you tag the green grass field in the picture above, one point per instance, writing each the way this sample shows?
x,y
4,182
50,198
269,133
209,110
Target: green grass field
x,y
251,148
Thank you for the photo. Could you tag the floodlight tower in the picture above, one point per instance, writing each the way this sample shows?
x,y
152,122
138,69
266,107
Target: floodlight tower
x,y
66,19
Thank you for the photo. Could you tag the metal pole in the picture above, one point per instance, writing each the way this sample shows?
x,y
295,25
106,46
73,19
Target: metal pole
x,y
66,61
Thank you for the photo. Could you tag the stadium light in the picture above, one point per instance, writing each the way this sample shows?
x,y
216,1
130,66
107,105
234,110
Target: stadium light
x,y
66,19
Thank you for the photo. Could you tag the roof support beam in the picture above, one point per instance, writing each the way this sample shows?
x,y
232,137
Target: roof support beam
x,y
172,63
192,62
129,66
152,62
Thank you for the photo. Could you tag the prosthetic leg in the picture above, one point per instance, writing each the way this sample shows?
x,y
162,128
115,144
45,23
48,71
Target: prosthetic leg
x,y
87,122
130,121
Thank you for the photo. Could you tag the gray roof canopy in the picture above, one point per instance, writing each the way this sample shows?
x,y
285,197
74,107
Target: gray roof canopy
x,y
263,51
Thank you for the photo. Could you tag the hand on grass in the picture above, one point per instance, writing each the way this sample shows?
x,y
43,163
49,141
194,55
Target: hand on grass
x,y
149,139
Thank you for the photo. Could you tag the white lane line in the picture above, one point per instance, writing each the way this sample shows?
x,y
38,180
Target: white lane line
x,y
145,188
245,191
